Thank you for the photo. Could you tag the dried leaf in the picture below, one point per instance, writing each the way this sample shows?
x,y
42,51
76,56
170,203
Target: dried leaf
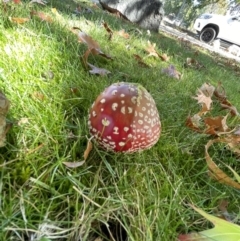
x,y
123,34
203,99
190,62
88,149
194,122
42,16
92,44
204,110
3,128
96,70
215,171
172,72
221,95
38,1
231,108
233,142
140,61
151,49
110,32
19,20
73,164
223,210
4,104
85,155
216,125
207,89
237,131
164,57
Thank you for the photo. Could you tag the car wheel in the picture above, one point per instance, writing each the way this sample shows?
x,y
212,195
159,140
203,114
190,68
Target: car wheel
x,y
207,35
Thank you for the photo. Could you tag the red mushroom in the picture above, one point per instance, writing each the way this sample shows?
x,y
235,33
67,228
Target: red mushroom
x,y
124,118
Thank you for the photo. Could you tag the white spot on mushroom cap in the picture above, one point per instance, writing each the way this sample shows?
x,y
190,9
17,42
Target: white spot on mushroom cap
x,y
132,89
123,110
121,143
105,122
115,130
94,114
114,92
130,110
134,99
125,128
103,100
114,106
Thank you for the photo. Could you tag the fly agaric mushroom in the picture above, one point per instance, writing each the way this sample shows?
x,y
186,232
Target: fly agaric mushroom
x,y
124,118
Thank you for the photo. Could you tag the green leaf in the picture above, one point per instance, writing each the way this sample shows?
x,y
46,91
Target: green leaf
x,y
222,231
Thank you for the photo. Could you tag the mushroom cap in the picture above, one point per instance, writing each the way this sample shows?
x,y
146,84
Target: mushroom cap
x,y
124,118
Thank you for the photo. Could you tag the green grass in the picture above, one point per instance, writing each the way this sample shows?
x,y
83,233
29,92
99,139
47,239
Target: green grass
x,y
146,193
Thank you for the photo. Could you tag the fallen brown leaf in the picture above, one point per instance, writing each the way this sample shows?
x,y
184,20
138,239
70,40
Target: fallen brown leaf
x,y
42,16
203,99
140,61
110,32
73,164
224,214
232,109
207,89
38,1
164,57
215,171
123,34
4,104
88,149
151,49
19,20
190,62
172,72
193,124
220,94
216,125
92,44
98,71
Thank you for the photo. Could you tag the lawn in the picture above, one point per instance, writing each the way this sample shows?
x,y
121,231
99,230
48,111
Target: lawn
x,y
142,196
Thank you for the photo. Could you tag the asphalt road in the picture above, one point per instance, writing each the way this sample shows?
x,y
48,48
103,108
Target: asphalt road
x,y
193,38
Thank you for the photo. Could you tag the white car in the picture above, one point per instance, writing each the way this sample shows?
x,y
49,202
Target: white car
x,y
212,26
